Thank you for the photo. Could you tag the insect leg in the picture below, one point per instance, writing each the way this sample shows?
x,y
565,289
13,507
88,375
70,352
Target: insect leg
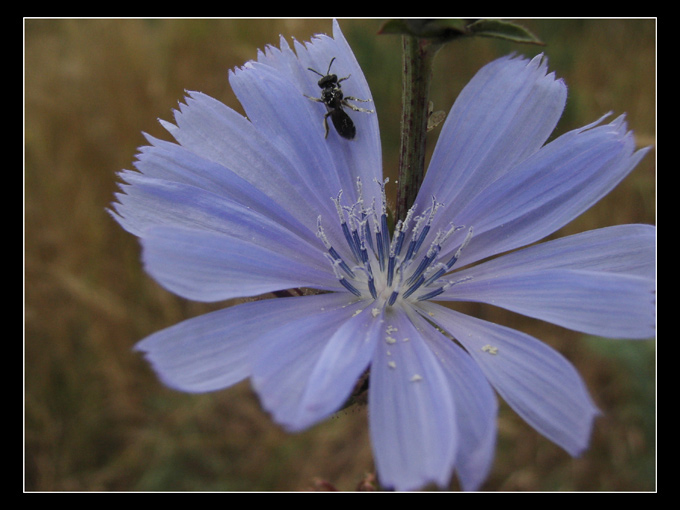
x,y
354,107
357,99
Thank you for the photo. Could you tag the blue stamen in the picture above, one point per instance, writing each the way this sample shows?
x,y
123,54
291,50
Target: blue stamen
x,y
380,246
350,287
440,272
342,263
430,295
420,270
447,267
386,233
374,248
371,287
390,270
350,240
414,287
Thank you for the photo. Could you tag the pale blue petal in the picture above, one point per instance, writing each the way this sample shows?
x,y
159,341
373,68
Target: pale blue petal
x,y
272,92
356,159
476,408
231,206
599,282
603,304
620,249
207,266
411,410
548,190
284,358
538,382
211,129
171,162
364,160
503,115
279,110
148,203
345,357
212,352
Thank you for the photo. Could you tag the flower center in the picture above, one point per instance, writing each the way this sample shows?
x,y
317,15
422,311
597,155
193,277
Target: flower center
x,y
391,268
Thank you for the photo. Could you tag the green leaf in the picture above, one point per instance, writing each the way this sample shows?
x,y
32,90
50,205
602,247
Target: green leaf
x,y
439,29
444,30
503,30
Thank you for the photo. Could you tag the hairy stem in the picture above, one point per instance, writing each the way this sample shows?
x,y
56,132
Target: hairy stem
x,y
417,75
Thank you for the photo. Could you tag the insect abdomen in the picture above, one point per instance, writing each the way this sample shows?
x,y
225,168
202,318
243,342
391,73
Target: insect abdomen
x,y
343,124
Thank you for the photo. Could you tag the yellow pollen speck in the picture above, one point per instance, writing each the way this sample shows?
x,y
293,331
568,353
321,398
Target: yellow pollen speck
x,y
391,364
490,349
416,378
375,312
390,340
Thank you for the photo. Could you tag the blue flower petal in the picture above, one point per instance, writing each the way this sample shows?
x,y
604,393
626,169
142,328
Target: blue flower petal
x,y
215,132
180,188
537,382
364,161
149,203
619,249
411,410
171,162
548,190
603,304
207,266
279,110
600,282
284,357
475,403
344,358
272,92
503,115
213,351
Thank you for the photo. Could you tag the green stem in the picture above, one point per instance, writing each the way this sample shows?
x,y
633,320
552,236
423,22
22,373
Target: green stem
x,y
417,61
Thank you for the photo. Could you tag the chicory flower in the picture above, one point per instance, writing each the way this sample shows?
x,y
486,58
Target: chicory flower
x,y
242,206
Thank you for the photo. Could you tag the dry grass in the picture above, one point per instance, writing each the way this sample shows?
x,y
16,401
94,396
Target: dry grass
x,y
96,418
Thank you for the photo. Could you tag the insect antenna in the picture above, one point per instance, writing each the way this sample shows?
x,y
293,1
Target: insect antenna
x,y
327,72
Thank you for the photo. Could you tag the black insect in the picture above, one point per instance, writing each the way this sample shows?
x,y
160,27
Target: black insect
x,y
332,97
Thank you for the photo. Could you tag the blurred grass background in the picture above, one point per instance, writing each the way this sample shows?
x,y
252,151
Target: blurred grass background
x,y
96,418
